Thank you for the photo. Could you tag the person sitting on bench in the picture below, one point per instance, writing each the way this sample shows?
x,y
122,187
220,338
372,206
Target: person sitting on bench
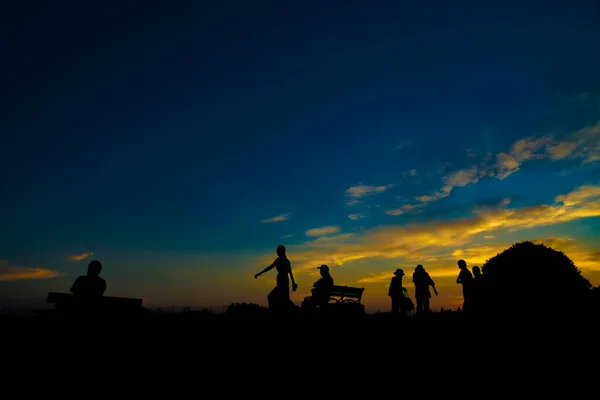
x,y
321,291
90,287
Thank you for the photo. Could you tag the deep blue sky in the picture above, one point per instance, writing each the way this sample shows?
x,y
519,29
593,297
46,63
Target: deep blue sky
x,y
179,126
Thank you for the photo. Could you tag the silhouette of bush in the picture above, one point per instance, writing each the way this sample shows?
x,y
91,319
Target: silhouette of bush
x,y
532,278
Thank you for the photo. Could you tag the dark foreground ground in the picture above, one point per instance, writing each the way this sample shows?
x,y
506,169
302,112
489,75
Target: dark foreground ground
x,y
334,327
250,354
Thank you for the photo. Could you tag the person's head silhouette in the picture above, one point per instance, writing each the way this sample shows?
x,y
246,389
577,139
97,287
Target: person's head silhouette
x,y
324,269
94,268
419,268
462,264
476,270
399,272
281,250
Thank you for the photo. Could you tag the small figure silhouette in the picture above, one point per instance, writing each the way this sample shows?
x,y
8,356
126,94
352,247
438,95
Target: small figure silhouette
x,y
422,281
398,293
321,291
466,279
279,297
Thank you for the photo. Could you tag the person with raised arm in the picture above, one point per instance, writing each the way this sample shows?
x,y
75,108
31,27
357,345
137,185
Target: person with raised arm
x,y
279,297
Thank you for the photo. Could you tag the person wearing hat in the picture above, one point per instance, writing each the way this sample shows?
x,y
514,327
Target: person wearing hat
x,y
321,291
422,281
398,293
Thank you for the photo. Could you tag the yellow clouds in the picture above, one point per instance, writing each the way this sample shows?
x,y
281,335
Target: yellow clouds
x,y
579,196
80,257
521,151
434,270
277,218
478,254
377,277
584,144
415,241
324,230
583,258
13,273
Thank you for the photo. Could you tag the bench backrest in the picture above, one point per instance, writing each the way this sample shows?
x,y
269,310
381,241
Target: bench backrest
x,y
347,292
105,301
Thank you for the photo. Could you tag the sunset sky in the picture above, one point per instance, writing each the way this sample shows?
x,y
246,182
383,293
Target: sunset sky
x,y
179,145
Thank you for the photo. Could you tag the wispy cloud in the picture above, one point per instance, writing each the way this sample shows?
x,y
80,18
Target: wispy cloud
x,y
356,216
16,273
287,236
324,230
403,145
277,218
376,277
583,144
404,209
365,190
424,240
80,257
355,193
478,254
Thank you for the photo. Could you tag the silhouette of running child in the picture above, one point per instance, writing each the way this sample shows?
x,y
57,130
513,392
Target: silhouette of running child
x,y
279,297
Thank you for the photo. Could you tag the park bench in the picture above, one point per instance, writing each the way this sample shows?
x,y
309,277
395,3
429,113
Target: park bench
x,y
346,294
105,304
343,300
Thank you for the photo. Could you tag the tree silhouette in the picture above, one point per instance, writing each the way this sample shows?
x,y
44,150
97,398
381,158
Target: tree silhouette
x,y
530,278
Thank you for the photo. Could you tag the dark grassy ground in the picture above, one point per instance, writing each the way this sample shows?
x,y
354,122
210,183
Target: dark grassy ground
x,y
221,347
301,325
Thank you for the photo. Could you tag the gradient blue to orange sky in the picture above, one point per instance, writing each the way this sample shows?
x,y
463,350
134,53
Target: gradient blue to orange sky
x,y
180,142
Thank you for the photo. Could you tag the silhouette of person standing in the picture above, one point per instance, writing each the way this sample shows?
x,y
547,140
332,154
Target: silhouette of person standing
x,y
87,289
321,291
279,298
466,279
422,281
397,292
